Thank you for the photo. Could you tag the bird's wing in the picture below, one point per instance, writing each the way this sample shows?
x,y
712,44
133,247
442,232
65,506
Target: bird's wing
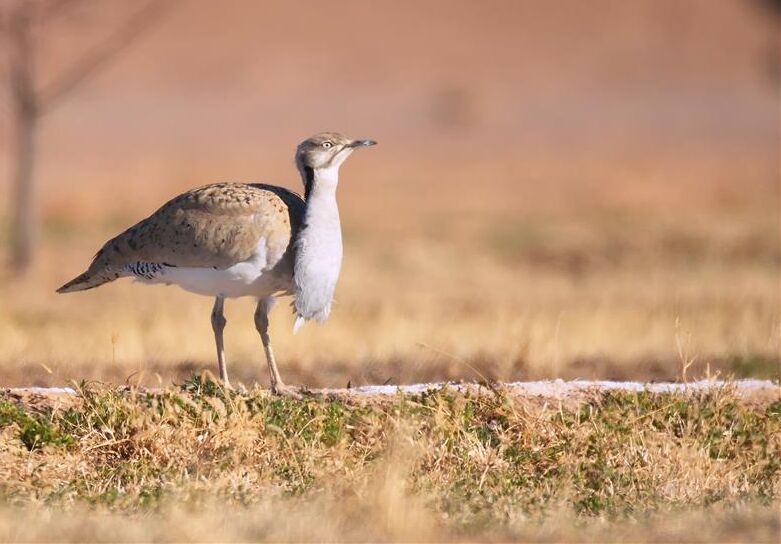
x,y
215,226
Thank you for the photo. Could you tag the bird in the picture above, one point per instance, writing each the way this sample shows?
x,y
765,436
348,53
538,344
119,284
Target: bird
x,y
229,240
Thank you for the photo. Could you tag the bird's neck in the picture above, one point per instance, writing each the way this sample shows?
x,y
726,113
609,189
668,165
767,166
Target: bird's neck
x,y
319,246
320,182
320,195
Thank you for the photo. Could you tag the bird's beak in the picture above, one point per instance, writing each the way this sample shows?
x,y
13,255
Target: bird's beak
x,y
361,143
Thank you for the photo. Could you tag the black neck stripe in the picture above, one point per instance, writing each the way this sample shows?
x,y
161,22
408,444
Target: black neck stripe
x,y
309,181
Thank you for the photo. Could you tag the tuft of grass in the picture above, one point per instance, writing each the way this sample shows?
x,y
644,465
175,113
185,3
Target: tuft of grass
x,y
33,430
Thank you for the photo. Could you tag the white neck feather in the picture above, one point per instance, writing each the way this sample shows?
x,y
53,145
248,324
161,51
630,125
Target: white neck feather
x,y
318,249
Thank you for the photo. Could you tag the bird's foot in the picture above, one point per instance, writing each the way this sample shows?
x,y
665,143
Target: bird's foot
x,y
283,390
241,389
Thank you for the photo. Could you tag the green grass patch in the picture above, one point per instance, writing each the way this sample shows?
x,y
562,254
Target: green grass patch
x,y
33,430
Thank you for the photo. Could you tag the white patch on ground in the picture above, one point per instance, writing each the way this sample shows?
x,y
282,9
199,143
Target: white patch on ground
x,y
556,388
548,388
43,390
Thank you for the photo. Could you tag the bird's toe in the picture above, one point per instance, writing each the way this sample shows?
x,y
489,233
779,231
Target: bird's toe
x,y
287,391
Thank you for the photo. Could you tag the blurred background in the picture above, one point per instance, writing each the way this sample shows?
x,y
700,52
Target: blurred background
x,y
562,189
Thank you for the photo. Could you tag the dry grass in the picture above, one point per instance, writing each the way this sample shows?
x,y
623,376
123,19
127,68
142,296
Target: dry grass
x,y
195,463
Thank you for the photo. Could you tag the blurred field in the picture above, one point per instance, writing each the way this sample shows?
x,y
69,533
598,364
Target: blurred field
x,y
567,192
610,298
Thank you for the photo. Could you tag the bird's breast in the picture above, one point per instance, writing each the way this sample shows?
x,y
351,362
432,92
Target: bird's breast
x,y
318,260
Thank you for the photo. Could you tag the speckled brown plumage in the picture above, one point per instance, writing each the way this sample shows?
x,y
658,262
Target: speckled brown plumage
x,y
215,226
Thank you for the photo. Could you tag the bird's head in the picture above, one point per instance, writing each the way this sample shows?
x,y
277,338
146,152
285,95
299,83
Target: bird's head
x,y
326,150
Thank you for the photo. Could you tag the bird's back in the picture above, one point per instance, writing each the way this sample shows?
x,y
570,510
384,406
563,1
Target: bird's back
x,y
212,227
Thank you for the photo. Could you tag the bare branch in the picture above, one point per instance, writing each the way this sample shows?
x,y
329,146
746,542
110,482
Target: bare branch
x,y
98,57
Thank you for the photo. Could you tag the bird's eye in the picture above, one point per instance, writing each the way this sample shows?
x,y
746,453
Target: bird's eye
x,y
327,145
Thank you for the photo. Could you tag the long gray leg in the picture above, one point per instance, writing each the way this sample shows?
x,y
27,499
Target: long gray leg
x,y
261,323
218,325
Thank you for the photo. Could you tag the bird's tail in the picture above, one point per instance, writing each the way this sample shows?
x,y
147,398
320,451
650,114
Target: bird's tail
x,y
88,280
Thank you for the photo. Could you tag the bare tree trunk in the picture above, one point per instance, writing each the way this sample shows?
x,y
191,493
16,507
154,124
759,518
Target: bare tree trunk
x,y
25,115
23,218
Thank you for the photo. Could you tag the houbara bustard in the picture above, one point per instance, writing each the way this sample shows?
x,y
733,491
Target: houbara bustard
x,y
234,240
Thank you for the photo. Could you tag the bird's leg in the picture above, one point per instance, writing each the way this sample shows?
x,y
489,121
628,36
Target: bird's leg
x,y
218,324
261,323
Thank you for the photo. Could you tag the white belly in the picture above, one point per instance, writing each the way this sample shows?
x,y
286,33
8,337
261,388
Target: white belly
x,y
240,280
255,277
